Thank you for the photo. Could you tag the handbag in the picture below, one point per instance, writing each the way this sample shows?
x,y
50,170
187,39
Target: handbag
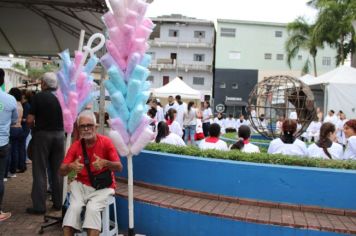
x,y
99,181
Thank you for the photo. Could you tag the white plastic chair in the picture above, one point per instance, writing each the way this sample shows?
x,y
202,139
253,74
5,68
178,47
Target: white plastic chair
x,y
109,226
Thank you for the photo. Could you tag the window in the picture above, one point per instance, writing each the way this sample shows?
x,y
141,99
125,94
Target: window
x,y
268,56
233,55
152,54
199,34
198,57
165,79
235,86
150,78
222,85
280,57
198,80
228,32
173,33
278,34
326,61
300,57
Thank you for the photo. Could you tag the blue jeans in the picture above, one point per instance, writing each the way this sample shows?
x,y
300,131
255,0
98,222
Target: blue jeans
x,y
16,136
4,150
21,165
189,132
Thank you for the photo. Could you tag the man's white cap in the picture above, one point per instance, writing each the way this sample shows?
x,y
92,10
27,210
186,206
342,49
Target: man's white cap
x,y
50,79
293,115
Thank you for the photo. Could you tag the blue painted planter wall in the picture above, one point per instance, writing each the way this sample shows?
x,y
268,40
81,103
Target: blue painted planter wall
x,y
155,221
296,185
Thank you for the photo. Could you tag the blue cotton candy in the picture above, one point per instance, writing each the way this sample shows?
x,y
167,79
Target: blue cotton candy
x,y
84,103
91,64
132,93
145,86
110,87
117,79
135,118
112,111
140,73
146,60
142,98
118,100
66,61
132,64
107,61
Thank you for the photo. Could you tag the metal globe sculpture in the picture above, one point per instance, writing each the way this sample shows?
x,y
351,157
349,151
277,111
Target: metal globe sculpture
x,y
280,97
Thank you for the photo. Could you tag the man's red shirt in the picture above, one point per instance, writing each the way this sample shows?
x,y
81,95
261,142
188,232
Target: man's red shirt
x,y
103,148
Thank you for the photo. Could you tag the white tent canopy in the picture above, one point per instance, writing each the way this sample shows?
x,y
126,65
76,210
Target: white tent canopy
x,y
307,79
339,90
177,87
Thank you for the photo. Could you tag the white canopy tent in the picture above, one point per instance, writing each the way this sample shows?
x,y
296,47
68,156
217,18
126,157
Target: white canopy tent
x,y
177,87
307,79
339,90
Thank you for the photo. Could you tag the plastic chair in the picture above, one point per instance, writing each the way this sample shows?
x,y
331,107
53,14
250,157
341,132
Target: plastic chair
x,y
109,225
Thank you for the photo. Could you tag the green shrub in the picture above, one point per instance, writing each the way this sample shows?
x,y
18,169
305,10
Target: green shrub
x,y
252,157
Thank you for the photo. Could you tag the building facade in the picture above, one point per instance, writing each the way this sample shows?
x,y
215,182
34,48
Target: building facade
x,y
182,47
247,52
13,77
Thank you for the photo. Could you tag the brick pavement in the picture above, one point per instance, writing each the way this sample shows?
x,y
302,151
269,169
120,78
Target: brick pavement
x,y
17,198
226,207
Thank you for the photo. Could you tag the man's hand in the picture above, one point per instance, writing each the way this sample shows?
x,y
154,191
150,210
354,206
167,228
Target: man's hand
x,y
76,165
99,163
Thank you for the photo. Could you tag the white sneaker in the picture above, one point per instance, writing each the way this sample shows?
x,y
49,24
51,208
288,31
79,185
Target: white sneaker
x,y
11,175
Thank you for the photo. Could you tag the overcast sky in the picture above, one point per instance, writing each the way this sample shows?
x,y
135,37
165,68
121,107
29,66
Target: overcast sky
x,y
255,10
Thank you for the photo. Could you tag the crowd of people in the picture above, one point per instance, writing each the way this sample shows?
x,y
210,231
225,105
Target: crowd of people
x,y
181,124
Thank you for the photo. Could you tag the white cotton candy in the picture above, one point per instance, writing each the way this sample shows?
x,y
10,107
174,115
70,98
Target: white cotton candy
x,y
119,143
143,139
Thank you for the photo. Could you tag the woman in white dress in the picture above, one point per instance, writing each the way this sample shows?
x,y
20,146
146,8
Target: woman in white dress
x,y
288,144
350,134
165,136
244,144
219,119
230,124
340,128
326,147
173,125
213,141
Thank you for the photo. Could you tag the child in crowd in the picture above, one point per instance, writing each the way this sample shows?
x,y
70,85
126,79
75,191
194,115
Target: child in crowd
x,y
244,144
213,141
219,119
174,126
350,134
165,136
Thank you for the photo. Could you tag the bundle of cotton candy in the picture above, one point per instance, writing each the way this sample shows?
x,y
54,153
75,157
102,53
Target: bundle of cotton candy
x,y
126,64
75,86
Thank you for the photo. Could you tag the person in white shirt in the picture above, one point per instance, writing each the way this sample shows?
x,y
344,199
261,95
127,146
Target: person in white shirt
x,y
165,136
159,114
207,115
181,109
219,119
230,124
171,104
350,134
213,141
190,123
174,126
244,144
240,121
326,147
341,138
331,117
287,144
313,131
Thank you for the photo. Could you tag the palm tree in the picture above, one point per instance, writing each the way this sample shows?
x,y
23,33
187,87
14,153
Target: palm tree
x,y
334,25
301,37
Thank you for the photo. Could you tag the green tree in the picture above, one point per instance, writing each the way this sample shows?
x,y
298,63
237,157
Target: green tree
x,y
301,38
334,26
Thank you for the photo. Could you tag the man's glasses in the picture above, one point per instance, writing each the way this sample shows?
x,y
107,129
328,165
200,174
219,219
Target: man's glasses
x,y
86,126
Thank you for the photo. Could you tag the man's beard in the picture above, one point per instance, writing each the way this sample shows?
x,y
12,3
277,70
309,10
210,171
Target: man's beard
x,y
87,136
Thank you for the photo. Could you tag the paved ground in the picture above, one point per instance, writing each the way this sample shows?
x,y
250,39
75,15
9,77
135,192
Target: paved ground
x,y
17,198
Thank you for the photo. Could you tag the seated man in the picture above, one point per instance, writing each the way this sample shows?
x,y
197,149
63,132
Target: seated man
x,y
102,157
213,141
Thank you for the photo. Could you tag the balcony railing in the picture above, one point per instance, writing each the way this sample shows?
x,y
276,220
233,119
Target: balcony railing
x,y
186,66
157,42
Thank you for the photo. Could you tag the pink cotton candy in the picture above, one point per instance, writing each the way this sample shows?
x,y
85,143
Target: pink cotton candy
x,y
115,54
145,121
141,8
131,18
73,103
77,58
81,81
118,125
60,98
119,143
145,137
67,121
143,32
84,92
109,20
147,22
